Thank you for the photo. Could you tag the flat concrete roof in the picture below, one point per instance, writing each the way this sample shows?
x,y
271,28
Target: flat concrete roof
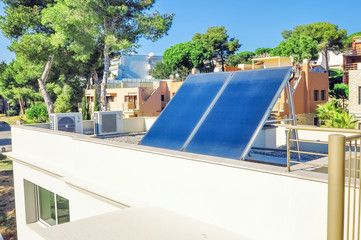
x,y
143,223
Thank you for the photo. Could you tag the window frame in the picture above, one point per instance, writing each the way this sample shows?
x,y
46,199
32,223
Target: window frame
x,y
316,95
323,95
38,207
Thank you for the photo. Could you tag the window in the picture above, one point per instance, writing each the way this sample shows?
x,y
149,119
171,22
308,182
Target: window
x,y
162,98
359,95
131,99
323,95
110,99
315,121
315,95
53,208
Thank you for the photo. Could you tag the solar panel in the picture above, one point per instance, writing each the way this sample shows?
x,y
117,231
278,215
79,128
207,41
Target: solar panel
x,y
218,114
182,114
242,108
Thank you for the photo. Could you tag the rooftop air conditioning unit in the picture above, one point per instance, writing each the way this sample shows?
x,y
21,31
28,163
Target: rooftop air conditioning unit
x,y
68,122
110,122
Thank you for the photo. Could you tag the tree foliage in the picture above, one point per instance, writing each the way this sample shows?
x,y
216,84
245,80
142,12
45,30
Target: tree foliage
x,y
39,62
335,77
22,24
96,107
16,87
38,113
85,109
286,34
328,37
340,91
348,40
185,56
161,71
217,42
86,26
263,52
299,47
334,116
242,57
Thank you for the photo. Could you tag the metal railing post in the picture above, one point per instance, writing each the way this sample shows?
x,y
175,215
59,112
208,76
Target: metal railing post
x,y
336,187
288,150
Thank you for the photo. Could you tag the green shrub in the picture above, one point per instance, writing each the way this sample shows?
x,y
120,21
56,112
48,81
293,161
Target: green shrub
x,y
96,107
334,116
12,112
38,113
85,109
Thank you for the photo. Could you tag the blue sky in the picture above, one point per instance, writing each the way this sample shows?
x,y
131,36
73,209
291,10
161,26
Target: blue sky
x,y
255,23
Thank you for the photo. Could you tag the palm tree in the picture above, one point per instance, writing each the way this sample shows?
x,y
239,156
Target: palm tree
x,y
333,116
327,110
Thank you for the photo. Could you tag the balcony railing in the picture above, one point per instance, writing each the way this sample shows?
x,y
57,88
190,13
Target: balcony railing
x,y
343,163
352,66
128,106
355,52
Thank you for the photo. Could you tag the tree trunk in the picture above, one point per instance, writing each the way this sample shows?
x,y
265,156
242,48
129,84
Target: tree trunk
x,y
326,57
95,78
4,105
222,60
21,103
103,98
42,82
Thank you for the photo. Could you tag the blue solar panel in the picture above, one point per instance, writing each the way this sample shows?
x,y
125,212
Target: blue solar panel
x,y
218,114
241,109
182,114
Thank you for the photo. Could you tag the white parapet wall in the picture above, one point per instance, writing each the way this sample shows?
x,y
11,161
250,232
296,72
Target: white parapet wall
x,y
257,202
274,137
138,124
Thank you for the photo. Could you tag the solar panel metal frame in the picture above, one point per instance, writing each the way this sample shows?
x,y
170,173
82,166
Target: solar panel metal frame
x,y
266,115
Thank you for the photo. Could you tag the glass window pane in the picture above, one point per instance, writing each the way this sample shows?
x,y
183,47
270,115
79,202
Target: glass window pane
x,y
62,205
315,95
47,206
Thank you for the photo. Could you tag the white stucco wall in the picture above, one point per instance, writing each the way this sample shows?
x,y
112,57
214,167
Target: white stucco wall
x,y
255,204
81,205
138,124
276,137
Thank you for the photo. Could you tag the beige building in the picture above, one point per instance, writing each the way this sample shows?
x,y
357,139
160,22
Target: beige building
x,y
354,103
137,98
271,62
309,91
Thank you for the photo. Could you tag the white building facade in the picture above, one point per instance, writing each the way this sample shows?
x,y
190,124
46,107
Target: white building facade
x,y
93,184
133,67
